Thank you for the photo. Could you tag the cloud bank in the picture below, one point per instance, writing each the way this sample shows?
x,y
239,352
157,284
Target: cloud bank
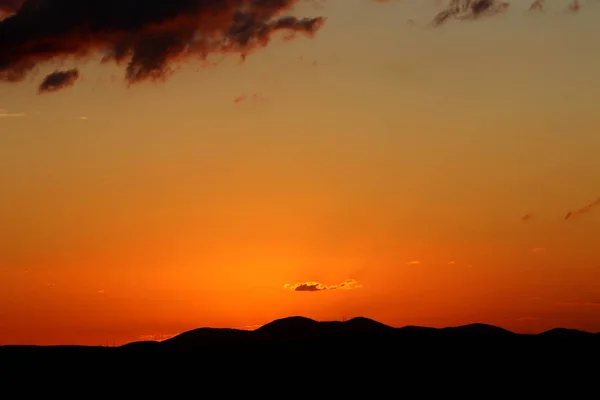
x,y
147,37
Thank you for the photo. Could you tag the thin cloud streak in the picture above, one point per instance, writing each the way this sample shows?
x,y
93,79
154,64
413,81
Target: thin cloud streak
x,y
5,114
583,210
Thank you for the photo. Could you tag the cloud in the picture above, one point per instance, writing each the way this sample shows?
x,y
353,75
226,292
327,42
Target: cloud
x,y
580,303
414,262
158,337
255,96
101,291
537,5
573,6
469,10
10,6
526,217
147,37
5,114
583,210
319,287
539,250
249,327
58,80
452,262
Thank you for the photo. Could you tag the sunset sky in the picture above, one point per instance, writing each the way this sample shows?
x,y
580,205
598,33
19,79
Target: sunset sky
x,y
378,166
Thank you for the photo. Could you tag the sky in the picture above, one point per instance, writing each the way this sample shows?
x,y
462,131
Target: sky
x,y
225,169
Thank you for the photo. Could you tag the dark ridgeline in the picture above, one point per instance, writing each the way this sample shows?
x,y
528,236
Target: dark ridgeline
x,y
359,346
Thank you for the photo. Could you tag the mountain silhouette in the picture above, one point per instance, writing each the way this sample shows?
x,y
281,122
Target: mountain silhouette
x,y
359,346
299,329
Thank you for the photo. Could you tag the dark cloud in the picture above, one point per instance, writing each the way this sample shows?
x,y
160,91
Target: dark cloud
x,y
469,10
585,209
10,6
58,80
146,36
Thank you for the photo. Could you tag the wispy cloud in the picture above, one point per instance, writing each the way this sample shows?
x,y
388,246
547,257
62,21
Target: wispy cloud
x,y
469,10
527,319
580,303
539,250
249,327
312,286
414,262
6,114
258,96
158,337
583,210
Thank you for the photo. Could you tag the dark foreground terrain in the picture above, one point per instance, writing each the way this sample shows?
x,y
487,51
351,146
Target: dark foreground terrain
x,y
300,351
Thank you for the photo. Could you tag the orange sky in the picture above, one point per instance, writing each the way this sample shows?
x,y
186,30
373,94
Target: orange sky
x,y
390,164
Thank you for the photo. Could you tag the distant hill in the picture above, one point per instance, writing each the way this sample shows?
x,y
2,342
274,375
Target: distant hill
x,y
297,334
300,350
360,330
298,337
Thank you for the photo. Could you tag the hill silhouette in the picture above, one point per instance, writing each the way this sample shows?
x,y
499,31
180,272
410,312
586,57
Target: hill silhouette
x,y
359,331
356,346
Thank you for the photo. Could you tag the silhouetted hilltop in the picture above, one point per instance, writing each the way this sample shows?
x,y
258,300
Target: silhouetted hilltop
x,y
301,328
291,327
208,336
298,335
478,331
562,333
362,324
297,348
144,344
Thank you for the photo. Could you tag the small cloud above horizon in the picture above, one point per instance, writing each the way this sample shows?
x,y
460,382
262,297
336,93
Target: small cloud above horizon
x,y
249,327
157,337
312,286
